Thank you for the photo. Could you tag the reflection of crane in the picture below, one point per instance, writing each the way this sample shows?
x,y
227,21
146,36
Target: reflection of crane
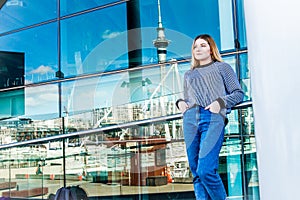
x,y
173,68
107,112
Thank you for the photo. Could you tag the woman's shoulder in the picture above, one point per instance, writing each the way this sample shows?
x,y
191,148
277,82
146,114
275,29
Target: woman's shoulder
x,y
223,66
189,71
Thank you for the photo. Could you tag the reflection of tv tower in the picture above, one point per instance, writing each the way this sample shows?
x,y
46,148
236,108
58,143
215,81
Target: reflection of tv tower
x,y
161,43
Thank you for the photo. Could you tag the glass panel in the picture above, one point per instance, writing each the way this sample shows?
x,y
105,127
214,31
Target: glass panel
x,y
231,60
226,25
241,24
25,128
11,69
118,160
100,44
40,118
42,102
123,97
73,6
245,76
251,175
247,121
123,160
233,126
17,14
181,30
231,167
30,171
39,48
234,155
12,103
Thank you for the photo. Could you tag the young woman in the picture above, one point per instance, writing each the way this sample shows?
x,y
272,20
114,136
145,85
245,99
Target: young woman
x,y
211,88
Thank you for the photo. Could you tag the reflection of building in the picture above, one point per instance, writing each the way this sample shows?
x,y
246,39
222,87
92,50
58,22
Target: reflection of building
x,y
11,69
11,75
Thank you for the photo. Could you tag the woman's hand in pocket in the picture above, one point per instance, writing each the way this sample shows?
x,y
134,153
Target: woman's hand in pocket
x,y
182,105
214,107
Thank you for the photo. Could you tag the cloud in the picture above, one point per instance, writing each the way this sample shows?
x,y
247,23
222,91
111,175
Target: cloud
x,y
42,70
107,34
41,100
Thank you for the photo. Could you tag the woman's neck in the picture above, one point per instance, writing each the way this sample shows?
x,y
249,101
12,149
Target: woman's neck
x,y
205,62
204,65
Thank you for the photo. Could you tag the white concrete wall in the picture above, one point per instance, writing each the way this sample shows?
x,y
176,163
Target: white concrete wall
x,y
274,58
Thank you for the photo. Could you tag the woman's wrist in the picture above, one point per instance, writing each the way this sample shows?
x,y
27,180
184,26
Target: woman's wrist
x,y
182,106
221,102
177,102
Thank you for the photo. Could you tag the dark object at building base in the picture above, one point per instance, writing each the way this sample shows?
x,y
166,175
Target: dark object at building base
x,y
156,180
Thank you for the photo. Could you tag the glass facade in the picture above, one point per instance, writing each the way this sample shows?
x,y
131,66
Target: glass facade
x,y
84,100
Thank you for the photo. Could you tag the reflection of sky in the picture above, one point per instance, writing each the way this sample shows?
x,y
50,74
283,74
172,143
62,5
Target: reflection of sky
x,y
69,7
82,41
40,48
97,41
82,34
41,100
20,13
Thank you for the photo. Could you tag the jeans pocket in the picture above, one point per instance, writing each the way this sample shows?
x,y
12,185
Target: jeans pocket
x,y
187,110
219,117
190,114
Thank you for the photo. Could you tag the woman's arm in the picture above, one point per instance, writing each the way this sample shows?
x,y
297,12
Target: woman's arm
x,y
234,92
181,103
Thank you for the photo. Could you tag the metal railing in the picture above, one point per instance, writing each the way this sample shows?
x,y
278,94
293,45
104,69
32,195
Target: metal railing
x,y
242,105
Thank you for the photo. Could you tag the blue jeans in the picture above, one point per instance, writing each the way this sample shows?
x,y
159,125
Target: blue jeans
x,y
204,134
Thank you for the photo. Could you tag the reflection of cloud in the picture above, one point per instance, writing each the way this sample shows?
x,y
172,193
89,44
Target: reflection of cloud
x,y
109,35
41,100
42,70
30,101
49,97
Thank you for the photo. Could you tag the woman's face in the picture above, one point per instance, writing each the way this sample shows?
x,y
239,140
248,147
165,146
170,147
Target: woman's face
x,y
201,51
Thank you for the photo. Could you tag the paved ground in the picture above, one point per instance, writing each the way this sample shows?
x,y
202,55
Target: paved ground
x,y
103,190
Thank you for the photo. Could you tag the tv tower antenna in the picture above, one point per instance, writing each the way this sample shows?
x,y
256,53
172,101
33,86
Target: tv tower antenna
x,y
161,43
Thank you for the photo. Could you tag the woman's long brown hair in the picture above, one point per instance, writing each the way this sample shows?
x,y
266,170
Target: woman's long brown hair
x,y
215,54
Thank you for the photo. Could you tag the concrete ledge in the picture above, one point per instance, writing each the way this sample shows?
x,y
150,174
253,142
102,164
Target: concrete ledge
x,y
26,193
7,185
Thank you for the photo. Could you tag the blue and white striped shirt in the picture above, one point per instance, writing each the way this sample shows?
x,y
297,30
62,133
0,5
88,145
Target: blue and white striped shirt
x,y
211,82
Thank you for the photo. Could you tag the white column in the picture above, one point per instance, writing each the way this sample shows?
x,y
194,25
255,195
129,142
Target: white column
x,y
273,38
